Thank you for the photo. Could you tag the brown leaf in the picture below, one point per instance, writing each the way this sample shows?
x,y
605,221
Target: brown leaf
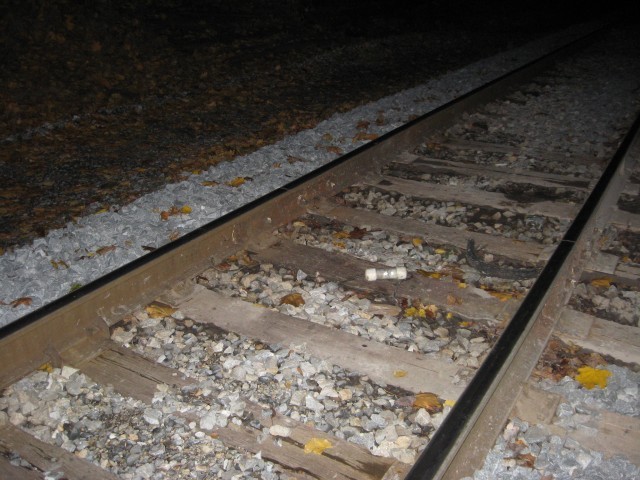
x,y
26,301
210,183
526,460
363,125
334,149
107,249
429,401
294,299
453,300
364,136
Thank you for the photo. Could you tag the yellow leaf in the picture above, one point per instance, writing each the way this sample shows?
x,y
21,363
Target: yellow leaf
x,y
339,245
46,367
236,182
465,324
209,183
415,312
462,285
424,273
429,401
102,210
503,296
449,403
449,315
159,311
417,241
317,445
601,282
341,234
294,299
400,373
590,377
440,251
186,209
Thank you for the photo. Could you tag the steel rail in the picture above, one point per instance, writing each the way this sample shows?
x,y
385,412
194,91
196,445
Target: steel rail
x,y
467,434
81,320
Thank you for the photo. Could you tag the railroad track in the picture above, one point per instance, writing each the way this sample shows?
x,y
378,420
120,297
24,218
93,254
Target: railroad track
x,y
255,346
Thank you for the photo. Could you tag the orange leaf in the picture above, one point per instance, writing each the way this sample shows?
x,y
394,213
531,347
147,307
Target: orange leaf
x,y
294,299
601,282
156,310
429,401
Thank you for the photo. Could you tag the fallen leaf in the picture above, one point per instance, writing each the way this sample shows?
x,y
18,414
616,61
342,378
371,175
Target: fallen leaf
x,y
210,183
74,287
363,125
317,445
59,264
291,159
415,312
589,377
440,251
294,299
425,273
358,233
431,310
106,249
46,367
400,373
341,245
601,282
156,310
503,296
236,182
429,401
333,149
453,300
365,136
341,234
25,301
526,460
417,241
449,403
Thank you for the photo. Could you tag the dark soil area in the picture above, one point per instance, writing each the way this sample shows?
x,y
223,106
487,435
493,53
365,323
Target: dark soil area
x,y
105,101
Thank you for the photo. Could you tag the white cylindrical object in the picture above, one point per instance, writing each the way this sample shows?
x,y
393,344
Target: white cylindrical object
x,y
396,273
